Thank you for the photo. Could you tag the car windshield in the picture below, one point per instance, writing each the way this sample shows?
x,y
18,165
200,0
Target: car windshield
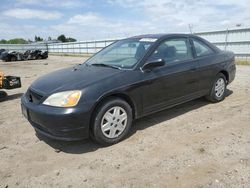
x,y
122,54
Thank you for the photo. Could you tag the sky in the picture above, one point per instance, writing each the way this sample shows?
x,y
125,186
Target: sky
x,y
102,19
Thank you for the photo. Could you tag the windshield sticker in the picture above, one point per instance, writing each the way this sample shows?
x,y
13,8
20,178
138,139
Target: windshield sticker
x,y
148,40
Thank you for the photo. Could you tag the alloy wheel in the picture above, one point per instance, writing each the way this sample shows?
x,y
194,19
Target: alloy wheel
x,y
114,122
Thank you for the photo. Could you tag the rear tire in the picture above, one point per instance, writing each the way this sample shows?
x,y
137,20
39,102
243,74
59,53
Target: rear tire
x,y
218,90
13,58
39,57
112,122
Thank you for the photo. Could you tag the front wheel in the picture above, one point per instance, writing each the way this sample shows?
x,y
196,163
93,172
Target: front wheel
x,y
112,122
218,91
39,57
13,58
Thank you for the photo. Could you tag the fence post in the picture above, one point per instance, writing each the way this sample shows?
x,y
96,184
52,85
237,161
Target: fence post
x,y
226,39
95,46
47,47
87,48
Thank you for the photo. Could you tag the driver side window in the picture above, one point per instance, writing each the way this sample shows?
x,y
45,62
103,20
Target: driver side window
x,y
173,50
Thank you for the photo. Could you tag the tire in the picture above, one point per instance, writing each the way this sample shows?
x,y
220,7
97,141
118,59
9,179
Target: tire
x,y
109,128
218,90
7,59
13,58
39,57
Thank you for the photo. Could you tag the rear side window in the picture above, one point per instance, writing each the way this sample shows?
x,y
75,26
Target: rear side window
x,y
201,48
173,50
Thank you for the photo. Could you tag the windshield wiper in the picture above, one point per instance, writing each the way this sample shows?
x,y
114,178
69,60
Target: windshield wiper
x,y
106,65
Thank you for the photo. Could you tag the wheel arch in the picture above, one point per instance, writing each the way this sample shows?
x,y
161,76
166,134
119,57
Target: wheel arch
x,y
122,96
108,97
226,74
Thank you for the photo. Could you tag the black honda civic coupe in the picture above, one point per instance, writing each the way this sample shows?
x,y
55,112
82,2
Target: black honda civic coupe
x,y
129,79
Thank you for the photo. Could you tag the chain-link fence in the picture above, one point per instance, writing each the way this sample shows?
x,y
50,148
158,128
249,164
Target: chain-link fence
x,y
237,40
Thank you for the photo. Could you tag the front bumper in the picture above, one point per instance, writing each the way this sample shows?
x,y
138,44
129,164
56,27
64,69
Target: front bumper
x,y
57,123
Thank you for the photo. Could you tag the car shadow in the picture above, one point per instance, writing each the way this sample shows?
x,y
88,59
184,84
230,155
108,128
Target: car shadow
x,y
5,97
84,146
73,147
170,113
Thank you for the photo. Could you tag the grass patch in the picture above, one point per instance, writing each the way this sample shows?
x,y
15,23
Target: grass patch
x,y
242,62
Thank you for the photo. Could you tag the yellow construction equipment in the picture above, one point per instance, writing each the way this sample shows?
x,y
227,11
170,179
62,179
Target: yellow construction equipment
x,y
1,79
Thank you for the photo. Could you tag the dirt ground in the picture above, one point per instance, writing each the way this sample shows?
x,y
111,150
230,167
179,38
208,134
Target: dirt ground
x,y
197,144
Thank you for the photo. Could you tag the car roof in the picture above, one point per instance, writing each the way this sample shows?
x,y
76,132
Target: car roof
x,y
165,36
159,36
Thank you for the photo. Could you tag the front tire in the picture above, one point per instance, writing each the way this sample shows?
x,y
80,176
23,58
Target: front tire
x,y
13,58
39,57
218,90
112,122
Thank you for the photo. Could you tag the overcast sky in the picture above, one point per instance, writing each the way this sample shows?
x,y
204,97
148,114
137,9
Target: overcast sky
x,y
99,19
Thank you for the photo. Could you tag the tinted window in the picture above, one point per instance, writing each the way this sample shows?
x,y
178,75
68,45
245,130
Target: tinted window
x,y
201,48
173,50
124,53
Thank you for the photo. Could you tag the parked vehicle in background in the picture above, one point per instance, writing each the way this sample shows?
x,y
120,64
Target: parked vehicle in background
x,y
28,55
11,56
1,51
35,54
127,80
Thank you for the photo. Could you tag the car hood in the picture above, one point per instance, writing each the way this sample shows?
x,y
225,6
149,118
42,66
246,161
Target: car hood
x,y
74,78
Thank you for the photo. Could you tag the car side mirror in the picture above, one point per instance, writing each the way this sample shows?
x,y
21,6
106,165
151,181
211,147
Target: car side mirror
x,y
153,63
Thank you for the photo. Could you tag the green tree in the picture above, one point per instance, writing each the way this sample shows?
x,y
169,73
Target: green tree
x,y
38,39
14,41
17,41
71,39
3,41
62,38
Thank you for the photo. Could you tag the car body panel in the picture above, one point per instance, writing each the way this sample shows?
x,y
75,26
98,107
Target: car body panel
x,y
146,91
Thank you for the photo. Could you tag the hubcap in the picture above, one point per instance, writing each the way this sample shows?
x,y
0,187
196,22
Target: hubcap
x,y
114,122
219,87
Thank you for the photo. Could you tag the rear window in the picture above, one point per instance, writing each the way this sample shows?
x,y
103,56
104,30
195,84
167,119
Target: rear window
x,y
201,48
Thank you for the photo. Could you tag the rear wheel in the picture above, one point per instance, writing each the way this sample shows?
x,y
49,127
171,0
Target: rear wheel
x,y
218,91
7,59
39,57
13,58
112,122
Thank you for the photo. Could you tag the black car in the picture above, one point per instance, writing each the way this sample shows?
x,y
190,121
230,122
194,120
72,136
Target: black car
x,y
11,56
127,80
1,51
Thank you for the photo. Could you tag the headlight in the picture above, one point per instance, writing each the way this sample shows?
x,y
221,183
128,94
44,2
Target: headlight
x,y
63,99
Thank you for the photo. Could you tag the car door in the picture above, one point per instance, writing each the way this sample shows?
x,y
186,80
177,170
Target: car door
x,y
174,82
207,59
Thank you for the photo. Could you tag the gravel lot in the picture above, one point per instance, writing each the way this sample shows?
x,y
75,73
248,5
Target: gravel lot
x,y
197,144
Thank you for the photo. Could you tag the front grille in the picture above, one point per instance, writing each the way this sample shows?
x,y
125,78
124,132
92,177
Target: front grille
x,y
33,96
